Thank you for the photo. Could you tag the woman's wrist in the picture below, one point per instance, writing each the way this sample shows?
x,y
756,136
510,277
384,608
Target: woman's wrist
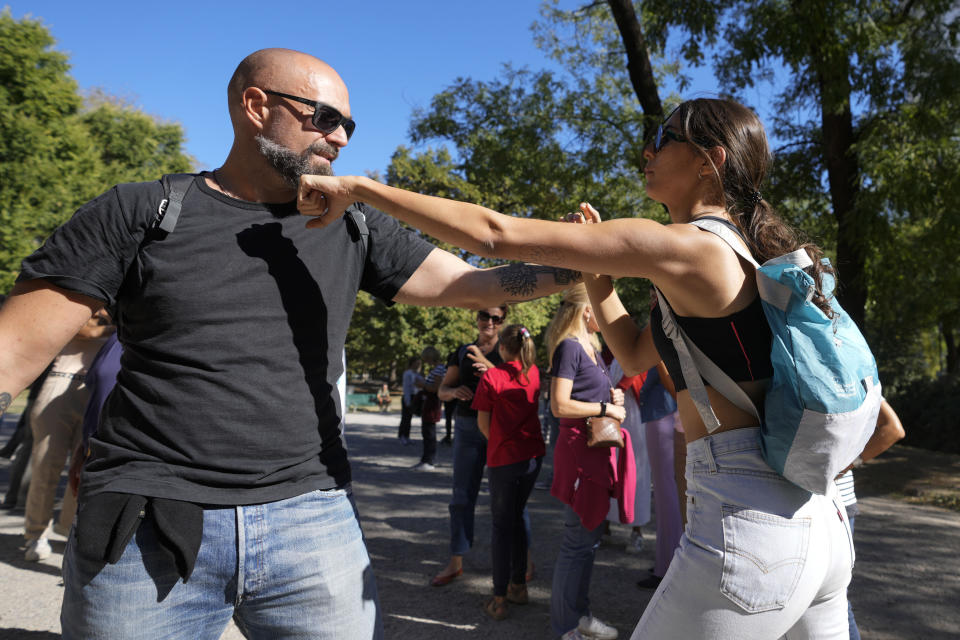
x,y
603,410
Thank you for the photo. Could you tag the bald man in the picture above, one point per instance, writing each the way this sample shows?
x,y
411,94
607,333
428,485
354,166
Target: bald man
x,y
218,482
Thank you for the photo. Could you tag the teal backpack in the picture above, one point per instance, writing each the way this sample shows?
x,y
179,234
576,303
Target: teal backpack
x,y
822,402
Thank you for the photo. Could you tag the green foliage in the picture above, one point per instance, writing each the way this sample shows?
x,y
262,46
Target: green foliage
x,y
55,154
527,143
893,67
930,413
382,337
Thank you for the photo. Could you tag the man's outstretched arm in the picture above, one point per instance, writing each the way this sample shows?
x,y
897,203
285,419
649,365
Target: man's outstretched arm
x,y
444,280
36,321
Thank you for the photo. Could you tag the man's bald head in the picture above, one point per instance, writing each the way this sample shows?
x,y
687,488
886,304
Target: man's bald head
x,y
273,96
273,68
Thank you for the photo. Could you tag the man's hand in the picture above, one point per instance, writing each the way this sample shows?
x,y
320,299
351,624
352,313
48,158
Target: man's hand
x,y
76,468
323,197
463,393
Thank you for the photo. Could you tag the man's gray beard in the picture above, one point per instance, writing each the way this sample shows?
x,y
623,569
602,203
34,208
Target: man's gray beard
x,y
291,165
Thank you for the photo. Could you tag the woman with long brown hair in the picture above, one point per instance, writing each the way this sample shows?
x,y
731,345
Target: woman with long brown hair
x,y
760,557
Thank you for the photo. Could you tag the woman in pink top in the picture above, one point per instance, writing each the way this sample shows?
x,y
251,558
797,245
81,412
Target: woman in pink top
x,y
506,402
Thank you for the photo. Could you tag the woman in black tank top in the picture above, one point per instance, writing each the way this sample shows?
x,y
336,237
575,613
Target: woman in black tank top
x,y
757,550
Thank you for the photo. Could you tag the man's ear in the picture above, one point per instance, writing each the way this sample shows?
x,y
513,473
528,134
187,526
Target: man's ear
x,y
255,108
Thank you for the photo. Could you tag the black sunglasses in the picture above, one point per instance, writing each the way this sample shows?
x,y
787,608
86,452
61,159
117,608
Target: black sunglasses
x,y
325,118
663,136
483,316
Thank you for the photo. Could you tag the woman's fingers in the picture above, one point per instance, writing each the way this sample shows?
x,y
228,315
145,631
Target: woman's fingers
x,y
616,396
590,214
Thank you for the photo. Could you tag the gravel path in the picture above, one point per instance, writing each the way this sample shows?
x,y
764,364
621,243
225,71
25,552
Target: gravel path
x,y
906,582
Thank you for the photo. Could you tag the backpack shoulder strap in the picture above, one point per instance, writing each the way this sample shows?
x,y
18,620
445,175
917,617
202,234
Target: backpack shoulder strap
x,y
728,233
357,222
176,186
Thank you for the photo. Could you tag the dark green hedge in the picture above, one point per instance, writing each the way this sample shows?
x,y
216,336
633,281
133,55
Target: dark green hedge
x,y
930,412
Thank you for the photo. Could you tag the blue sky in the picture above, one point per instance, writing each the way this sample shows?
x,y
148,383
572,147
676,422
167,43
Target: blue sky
x,y
173,59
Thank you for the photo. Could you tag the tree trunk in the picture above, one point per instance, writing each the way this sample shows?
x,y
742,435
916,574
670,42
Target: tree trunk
x,y
843,174
948,328
638,63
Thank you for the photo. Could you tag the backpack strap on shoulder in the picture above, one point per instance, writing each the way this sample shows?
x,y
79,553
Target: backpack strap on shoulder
x,y
727,233
176,186
357,223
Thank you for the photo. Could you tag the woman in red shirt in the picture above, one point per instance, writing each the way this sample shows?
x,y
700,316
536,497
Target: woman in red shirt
x,y
506,402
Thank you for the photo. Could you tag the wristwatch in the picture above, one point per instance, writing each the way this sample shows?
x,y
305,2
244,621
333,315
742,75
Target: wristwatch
x,y
603,409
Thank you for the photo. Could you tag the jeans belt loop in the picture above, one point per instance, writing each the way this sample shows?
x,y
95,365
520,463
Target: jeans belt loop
x,y
708,451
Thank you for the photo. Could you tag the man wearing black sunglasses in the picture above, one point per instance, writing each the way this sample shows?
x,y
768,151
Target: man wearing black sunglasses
x,y
217,485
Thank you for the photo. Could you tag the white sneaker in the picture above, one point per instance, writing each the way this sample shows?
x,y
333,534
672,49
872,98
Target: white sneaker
x,y
636,543
591,627
37,550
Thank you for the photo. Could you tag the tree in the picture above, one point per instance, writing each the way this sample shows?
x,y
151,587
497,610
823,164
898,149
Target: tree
x,y
529,144
54,153
853,69
868,118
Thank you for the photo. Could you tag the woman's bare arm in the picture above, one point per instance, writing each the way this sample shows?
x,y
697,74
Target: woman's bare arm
x,y
621,247
631,346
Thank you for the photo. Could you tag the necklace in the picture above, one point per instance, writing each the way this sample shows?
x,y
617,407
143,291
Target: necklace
x,y
221,187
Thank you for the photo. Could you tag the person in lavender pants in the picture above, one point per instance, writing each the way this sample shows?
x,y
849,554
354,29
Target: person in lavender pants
x,y
658,410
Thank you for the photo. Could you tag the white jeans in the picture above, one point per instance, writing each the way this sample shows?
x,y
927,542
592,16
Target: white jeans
x,y
760,558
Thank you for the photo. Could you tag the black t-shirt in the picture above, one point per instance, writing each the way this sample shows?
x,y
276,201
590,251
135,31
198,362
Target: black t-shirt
x,y
233,328
468,375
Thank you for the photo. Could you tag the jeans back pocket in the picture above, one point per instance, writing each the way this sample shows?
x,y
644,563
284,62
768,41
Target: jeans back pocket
x,y
763,557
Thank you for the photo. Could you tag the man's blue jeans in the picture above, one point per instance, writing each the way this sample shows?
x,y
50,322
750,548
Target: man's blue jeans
x,y
295,568
469,459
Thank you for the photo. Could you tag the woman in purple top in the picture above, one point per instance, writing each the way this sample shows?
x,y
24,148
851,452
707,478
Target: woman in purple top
x,y
579,388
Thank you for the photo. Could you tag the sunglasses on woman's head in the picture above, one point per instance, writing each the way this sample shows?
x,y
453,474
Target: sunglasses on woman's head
x,y
325,118
483,316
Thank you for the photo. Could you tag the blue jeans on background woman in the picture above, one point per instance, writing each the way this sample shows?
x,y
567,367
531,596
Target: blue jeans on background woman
x,y
569,596
469,459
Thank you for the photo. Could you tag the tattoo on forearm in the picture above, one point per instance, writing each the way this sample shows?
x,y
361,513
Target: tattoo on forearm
x,y
566,276
5,401
520,280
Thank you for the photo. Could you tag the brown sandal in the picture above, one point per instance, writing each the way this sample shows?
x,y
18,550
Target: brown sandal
x,y
517,593
494,609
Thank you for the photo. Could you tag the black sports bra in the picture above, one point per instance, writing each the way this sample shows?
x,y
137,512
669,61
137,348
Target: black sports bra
x,y
739,343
